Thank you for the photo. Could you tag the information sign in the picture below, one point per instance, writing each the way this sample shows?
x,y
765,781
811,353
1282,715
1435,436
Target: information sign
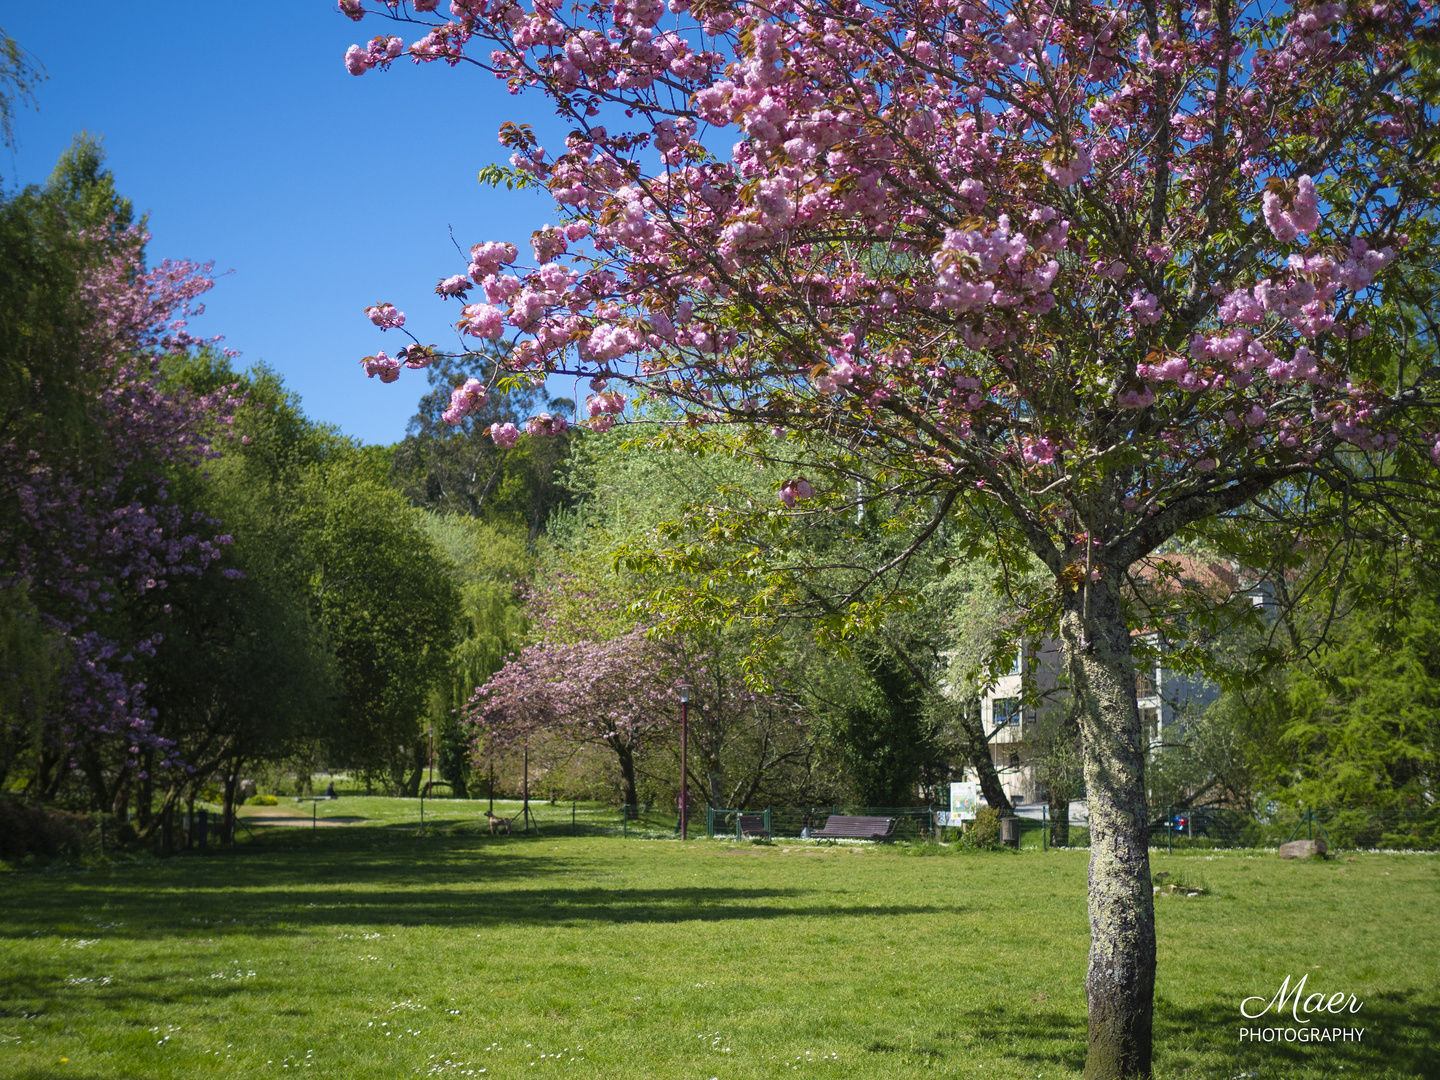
x,y
964,800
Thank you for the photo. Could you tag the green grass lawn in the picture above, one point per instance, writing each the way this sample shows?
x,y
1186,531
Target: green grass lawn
x,y
370,951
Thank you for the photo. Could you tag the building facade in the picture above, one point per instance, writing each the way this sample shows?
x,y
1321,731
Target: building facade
x,y
1032,696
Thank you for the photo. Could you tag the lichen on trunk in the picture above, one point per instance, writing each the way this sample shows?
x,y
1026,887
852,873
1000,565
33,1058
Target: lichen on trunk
x,y
1120,982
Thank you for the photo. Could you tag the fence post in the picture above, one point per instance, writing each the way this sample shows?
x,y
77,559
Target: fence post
x,y
624,819
1169,813
1044,827
1309,824
572,817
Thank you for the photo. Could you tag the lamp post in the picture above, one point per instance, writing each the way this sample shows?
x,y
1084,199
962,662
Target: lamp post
x,y
684,762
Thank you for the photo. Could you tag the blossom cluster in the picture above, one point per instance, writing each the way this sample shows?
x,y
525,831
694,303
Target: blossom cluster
x,y
464,400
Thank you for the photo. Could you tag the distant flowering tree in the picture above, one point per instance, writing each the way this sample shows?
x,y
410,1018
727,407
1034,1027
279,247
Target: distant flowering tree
x,y
1077,277
619,690
589,677
610,694
87,525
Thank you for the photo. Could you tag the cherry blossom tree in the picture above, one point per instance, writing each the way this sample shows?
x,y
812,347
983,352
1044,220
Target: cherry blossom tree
x,y
87,521
1075,277
609,694
592,677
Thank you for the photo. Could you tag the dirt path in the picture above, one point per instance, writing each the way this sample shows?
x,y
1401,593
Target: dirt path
x,y
284,815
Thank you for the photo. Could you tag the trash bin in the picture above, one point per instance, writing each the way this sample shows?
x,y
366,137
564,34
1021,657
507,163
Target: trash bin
x,y
1010,831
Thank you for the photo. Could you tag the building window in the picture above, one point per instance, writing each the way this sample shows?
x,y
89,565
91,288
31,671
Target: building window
x,y
1150,722
1007,711
1015,761
1018,667
1145,682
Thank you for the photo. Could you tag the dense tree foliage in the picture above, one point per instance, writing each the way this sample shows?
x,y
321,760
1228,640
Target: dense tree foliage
x,y
187,565
388,601
457,468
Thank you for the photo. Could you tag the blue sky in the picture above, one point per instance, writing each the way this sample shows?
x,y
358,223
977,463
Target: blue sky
x,y
242,136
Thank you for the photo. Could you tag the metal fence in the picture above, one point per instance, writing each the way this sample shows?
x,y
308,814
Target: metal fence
x,y
1170,828
1400,829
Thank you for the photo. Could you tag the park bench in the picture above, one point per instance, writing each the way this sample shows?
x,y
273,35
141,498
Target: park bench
x,y
840,827
752,825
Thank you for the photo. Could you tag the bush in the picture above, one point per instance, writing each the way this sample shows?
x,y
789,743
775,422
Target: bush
x,y
41,832
985,833
262,800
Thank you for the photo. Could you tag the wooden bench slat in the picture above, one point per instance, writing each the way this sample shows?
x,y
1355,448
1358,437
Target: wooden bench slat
x,y
845,827
751,825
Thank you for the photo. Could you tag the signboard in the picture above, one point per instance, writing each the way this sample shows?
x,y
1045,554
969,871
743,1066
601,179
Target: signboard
x,y
964,800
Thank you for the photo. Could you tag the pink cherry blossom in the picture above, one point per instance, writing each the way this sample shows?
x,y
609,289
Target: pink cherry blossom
x,y
487,258
383,366
385,316
455,285
483,321
356,60
504,435
793,491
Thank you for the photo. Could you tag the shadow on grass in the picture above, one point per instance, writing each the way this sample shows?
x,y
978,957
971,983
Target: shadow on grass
x,y
364,881
1401,1039
1042,1038
1402,1034
38,994
216,910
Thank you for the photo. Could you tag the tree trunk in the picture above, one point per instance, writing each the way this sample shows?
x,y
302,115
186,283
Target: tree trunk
x,y
120,804
714,770
227,809
1120,983
145,797
1059,817
977,752
628,792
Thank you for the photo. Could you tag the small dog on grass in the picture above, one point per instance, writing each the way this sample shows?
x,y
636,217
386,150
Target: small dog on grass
x,y
498,823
